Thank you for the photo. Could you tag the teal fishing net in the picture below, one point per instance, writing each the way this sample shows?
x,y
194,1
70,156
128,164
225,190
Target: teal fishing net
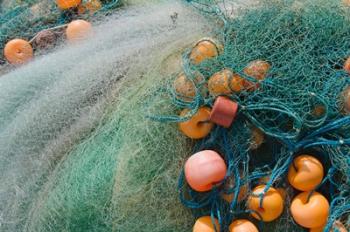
x,y
299,106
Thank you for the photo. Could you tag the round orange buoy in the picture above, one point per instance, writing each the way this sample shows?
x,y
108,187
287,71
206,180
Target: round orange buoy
x,y
225,82
257,138
219,83
67,4
185,87
18,51
198,126
204,49
204,169
237,83
242,225
312,212
224,111
205,224
78,30
272,204
345,100
336,225
305,173
257,69
91,6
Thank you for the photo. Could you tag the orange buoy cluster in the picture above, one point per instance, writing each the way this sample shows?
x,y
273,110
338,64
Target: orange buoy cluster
x,y
219,85
20,51
207,224
309,208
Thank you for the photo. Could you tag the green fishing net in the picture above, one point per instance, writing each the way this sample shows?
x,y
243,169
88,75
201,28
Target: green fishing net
x,y
81,151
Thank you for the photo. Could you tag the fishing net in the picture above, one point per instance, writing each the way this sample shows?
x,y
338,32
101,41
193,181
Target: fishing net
x,y
69,159
79,151
298,105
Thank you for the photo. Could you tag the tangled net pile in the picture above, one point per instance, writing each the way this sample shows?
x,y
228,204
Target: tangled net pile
x,y
300,105
79,154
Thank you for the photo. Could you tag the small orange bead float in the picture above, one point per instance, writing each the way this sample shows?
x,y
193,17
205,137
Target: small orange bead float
x,y
312,212
204,169
345,100
185,87
336,225
242,225
224,111
204,49
78,30
257,138
90,6
18,51
257,69
198,126
205,224
305,173
67,4
272,204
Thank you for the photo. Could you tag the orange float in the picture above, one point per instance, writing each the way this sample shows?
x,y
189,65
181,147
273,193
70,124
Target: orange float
x,y
224,111
198,126
306,173
204,169
185,87
257,69
219,83
205,224
312,212
67,4
345,100
91,6
272,204
242,225
18,51
257,138
336,225
225,82
204,49
78,30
